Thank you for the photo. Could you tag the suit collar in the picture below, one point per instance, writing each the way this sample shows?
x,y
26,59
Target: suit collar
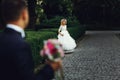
x,y
17,29
11,31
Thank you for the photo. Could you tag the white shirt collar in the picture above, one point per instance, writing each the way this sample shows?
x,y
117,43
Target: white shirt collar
x,y
17,28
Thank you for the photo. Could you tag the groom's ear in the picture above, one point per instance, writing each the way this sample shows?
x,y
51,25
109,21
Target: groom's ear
x,y
25,17
24,14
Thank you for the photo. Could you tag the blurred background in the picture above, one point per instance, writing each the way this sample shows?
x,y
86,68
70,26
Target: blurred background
x,y
94,14
82,15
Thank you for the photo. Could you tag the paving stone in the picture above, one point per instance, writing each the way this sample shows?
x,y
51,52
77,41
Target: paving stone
x,y
97,57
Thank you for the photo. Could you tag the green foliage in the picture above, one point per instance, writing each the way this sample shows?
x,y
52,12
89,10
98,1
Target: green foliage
x,y
55,22
36,39
76,32
57,8
33,17
40,12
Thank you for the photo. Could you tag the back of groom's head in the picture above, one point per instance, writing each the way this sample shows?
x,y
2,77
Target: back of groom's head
x,y
12,9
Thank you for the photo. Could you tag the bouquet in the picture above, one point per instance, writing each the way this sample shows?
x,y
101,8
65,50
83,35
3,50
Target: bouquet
x,y
52,50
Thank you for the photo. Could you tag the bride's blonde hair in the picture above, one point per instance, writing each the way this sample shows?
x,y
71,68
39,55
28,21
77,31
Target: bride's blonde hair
x,y
62,20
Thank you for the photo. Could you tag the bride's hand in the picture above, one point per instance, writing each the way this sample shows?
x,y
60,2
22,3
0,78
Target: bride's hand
x,y
62,35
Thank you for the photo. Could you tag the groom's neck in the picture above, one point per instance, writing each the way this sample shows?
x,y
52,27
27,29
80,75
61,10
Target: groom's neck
x,y
17,23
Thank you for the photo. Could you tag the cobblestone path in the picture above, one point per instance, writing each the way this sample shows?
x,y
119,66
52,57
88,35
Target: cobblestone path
x,y
97,57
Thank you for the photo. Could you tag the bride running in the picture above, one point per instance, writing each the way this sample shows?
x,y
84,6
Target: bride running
x,y
64,37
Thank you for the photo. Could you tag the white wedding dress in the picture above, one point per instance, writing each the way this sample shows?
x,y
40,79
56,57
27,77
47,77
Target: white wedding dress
x,y
66,40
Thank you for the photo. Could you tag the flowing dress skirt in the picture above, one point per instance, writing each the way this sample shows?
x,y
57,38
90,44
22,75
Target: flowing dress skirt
x,y
67,41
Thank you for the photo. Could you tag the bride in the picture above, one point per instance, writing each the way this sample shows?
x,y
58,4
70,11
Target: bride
x,y
64,37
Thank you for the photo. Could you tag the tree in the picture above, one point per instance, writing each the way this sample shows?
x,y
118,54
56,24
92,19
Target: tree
x,y
97,11
32,6
52,8
57,8
2,24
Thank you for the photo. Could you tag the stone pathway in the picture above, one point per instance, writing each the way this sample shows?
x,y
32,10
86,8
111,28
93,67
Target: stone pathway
x,y
97,57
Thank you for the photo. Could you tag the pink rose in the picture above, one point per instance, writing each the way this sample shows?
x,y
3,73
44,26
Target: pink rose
x,y
51,48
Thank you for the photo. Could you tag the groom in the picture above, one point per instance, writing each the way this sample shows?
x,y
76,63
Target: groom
x,y
15,54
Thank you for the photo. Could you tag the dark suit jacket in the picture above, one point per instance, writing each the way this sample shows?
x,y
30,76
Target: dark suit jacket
x,y
16,61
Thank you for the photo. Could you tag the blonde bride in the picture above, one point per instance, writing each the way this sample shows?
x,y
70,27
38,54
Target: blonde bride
x,y
64,37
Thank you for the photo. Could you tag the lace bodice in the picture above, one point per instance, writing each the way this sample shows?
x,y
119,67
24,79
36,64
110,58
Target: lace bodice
x,y
63,28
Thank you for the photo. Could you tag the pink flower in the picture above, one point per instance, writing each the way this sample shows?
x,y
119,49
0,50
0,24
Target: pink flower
x,y
52,49
50,45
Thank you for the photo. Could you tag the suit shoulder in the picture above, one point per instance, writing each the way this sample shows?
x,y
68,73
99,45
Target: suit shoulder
x,y
18,42
22,43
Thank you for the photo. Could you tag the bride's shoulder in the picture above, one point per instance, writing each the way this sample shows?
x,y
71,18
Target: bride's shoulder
x,y
63,26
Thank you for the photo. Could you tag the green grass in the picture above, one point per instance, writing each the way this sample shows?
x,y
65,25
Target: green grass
x,y
36,38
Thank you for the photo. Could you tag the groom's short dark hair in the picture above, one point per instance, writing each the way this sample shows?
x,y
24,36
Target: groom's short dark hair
x,y
11,9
